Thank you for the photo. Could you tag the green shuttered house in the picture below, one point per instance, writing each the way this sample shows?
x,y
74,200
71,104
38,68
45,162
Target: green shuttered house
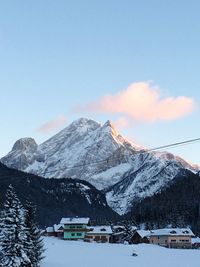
x,y
74,228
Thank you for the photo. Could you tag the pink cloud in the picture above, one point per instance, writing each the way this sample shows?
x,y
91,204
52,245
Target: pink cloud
x,y
143,102
121,123
53,124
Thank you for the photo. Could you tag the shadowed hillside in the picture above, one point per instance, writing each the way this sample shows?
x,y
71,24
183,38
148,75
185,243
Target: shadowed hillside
x,y
55,198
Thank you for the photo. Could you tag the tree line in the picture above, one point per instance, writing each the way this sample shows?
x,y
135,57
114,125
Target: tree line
x,y
21,244
178,205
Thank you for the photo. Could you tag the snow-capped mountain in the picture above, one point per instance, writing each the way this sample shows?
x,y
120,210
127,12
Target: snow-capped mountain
x,y
97,153
85,150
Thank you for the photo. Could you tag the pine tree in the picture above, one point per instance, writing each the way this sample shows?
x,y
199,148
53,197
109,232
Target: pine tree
x,y
13,232
1,236
128,231
34,243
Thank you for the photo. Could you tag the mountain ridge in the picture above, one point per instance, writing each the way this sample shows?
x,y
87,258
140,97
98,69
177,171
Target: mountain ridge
x,y
100,155
55,198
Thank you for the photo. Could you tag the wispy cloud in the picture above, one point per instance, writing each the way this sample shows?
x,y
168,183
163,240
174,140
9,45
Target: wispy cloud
x,y
142,102
53,124
121,123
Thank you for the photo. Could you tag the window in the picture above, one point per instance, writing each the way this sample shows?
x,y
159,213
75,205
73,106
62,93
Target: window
x,y
173,240
72,234
79,226
71,227
79,234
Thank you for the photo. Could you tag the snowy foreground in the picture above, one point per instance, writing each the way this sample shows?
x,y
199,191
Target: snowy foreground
x,y
60,253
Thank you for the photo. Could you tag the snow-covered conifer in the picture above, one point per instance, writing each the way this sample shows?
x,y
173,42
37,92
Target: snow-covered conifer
x,y
34,242
13,232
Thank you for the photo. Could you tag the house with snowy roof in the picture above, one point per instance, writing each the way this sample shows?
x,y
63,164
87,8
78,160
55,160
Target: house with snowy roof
x,y
74,228
196,242
172,237
56,230
99,234
140,236
49,231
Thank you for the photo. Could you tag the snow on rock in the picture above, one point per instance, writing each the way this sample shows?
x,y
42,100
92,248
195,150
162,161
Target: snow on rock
x,y
102,179
23,154
100,155
64,253
150,173
84,150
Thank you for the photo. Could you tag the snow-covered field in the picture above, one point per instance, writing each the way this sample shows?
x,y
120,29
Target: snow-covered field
x,y
61,253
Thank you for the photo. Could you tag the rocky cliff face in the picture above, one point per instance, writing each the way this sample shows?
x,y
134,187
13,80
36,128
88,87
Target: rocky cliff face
x,y
154,172
23,154
100,155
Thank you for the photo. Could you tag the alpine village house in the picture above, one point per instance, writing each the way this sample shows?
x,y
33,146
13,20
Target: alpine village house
x,y
77,228
172,238
74,228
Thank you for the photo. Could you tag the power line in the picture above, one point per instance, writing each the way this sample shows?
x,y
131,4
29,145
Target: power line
x,y
176,144
173,145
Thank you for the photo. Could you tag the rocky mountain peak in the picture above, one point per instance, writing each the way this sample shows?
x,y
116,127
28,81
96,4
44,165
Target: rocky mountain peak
x,y
25,144
109,128
84,121
108,123
23,153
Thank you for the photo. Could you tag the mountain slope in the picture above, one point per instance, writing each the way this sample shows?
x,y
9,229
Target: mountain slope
x,y
100,155
81,144
178,204
56,198
154,172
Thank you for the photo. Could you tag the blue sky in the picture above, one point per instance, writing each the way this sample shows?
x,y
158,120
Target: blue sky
x,y
57,55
